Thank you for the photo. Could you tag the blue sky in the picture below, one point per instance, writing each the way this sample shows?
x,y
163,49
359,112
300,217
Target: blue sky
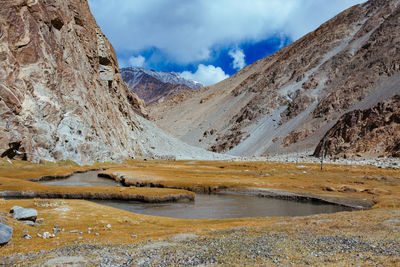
x,y
207,40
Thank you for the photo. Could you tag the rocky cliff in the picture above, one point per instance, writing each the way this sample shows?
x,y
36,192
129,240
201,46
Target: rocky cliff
x,y
153,86
61,93
286,102
374,132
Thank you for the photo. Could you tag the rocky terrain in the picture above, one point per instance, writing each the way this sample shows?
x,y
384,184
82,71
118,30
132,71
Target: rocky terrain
x,y
153,86
374,132
60,232
287,102
61,93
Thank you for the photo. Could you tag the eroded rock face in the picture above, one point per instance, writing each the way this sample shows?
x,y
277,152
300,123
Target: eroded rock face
x,y
372,132
287,101
61,94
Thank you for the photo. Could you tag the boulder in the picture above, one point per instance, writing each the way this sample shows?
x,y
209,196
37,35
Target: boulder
x,y
22,214
5,234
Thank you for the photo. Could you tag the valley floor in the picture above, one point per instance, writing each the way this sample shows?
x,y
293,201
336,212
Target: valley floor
x,y
92,234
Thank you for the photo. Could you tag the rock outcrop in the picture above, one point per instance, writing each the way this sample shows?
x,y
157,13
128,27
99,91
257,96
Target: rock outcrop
x,y
61,93
153,86
19,213
374,132
5,234
286,102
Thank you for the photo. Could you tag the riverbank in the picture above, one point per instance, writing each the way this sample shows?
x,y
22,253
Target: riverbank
x,y
93,234
16,181
99,235
350,185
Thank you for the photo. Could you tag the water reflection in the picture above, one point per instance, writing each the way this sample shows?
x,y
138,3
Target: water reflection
x,y
226,206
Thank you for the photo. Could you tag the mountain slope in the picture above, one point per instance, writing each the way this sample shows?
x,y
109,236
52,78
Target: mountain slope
x,y
61,93
153,86
286,102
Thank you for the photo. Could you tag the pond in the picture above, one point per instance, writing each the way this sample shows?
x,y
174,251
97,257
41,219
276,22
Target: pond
x,y
206,206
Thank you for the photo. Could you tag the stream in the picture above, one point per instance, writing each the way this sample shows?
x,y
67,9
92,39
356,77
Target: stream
x,y
205,206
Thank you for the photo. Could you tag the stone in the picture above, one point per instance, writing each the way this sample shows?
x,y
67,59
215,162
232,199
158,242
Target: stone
x,y
47,235
26,236
108,226
30,223
22,214
5,233
40,221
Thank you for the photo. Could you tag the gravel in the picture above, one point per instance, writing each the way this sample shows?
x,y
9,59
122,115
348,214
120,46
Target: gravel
x,y
242,246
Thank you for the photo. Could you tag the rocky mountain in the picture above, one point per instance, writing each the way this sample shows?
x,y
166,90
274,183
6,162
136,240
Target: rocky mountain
x,y
153,86
61,93
330,80
374,132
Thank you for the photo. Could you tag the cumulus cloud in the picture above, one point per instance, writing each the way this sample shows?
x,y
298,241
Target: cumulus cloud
x,y
238,58
207,75
189,30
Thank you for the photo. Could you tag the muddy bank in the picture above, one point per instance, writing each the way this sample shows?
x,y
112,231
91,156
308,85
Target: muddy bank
x,y
61,177
98,196
354,203
128,181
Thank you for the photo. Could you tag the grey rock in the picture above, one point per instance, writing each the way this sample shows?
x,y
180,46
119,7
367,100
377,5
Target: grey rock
x,y
22,214
5,233
30,223
26,236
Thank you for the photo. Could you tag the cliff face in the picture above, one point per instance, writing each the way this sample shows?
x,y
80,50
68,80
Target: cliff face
x,y
373,132
153,86
286,102
61,94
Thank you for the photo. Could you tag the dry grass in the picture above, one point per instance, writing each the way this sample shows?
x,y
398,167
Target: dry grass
x,y
15,177
81,215
382,186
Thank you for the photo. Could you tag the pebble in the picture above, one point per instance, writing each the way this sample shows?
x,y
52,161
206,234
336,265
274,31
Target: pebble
x,y
26,236
74,231
96,234
47,235
30,223
108,226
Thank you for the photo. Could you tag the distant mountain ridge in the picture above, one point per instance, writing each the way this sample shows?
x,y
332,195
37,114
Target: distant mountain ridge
x,y
327,83
153,86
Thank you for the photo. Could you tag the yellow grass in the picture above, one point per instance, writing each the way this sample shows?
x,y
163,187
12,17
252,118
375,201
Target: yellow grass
x,y
15,176
382,186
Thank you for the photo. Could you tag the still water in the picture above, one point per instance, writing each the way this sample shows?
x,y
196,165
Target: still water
x,y
222,206
205,206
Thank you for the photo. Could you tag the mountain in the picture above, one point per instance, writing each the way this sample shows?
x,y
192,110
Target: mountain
x,y
288,101
61,94
153,86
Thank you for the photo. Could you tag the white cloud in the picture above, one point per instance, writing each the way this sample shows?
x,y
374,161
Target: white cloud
x,y
137,61
207,75
191,29
238,58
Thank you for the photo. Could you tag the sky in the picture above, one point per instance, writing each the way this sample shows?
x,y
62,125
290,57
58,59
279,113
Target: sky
x,y
207,40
